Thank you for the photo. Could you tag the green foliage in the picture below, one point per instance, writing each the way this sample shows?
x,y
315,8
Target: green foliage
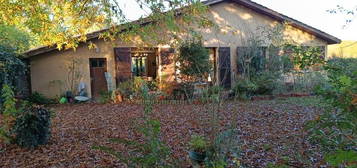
x,y
266,82
32,127
194,59
9,108
105,97
211,93
341,157
9,112
152,152
305,57
14,38
126,88
244,88
198,143
38,98
336,129
58,22
133,87
345,66
11,66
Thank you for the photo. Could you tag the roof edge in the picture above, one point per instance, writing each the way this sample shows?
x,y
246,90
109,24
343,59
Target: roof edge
x,y
246,3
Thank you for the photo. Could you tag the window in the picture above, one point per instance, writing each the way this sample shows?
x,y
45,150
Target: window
x,y
97,62
138,65
251,59
212,59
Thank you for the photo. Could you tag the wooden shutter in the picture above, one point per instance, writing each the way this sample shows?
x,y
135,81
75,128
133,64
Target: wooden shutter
x,y
168,64
122,64
240,52
224,66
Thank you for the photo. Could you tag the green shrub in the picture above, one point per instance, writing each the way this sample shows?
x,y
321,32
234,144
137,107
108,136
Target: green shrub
x,y
194,59
345,66
336,130
38,98
133,87
211,93
126,88
244,88
266,83
32,127
9,112
105,97
198,143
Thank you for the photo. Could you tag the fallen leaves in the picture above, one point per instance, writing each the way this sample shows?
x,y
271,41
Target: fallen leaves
x,y
269,131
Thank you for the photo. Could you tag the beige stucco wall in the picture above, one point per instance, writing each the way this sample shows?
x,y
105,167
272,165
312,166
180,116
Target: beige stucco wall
x,y
234,25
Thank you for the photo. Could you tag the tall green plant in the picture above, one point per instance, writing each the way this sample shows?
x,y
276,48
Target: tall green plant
x,y
9,113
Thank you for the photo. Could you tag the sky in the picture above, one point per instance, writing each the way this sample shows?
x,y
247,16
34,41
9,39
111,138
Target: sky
x,y
311,12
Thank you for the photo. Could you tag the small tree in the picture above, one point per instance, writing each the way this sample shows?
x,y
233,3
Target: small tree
x,y
194,60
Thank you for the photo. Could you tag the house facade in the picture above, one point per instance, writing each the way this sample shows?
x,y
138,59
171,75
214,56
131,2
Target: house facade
x,y
102,68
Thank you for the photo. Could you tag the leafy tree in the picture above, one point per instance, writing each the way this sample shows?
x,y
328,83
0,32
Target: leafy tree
x,y
66,22
11,66
12,37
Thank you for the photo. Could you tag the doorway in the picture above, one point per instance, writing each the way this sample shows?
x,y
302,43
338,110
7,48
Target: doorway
x,y
98,68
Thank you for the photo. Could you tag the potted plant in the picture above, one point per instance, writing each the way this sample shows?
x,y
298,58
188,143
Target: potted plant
x,y
198,147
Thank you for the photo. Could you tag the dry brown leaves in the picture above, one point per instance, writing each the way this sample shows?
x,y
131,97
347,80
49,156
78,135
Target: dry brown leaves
x,y
269,131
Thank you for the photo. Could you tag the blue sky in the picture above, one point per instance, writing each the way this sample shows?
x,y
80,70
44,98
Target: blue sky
x,y
311,12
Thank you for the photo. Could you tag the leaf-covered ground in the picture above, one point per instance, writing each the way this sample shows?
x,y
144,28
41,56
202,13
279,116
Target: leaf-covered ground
x,y
270,132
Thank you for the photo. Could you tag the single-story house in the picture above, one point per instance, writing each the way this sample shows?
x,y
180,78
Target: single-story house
x,y
113,62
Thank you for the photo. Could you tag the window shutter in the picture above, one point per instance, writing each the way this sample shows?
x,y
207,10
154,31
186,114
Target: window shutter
x,y
240,52
122,64
168,64
224,66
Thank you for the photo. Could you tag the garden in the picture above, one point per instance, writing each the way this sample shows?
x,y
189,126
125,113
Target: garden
x,y
287,107
254,124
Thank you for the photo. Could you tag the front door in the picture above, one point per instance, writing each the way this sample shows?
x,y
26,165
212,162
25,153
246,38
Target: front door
x,y
98,67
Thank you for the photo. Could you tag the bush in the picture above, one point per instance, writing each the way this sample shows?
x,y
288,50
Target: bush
x,y
105,97
335,130
265,82
345,66
132,87
194,59
244,88
198,144
211,93
32,127
9,113
38,98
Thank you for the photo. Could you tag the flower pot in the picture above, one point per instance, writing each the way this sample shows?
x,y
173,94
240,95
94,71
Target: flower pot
x,y
197,156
